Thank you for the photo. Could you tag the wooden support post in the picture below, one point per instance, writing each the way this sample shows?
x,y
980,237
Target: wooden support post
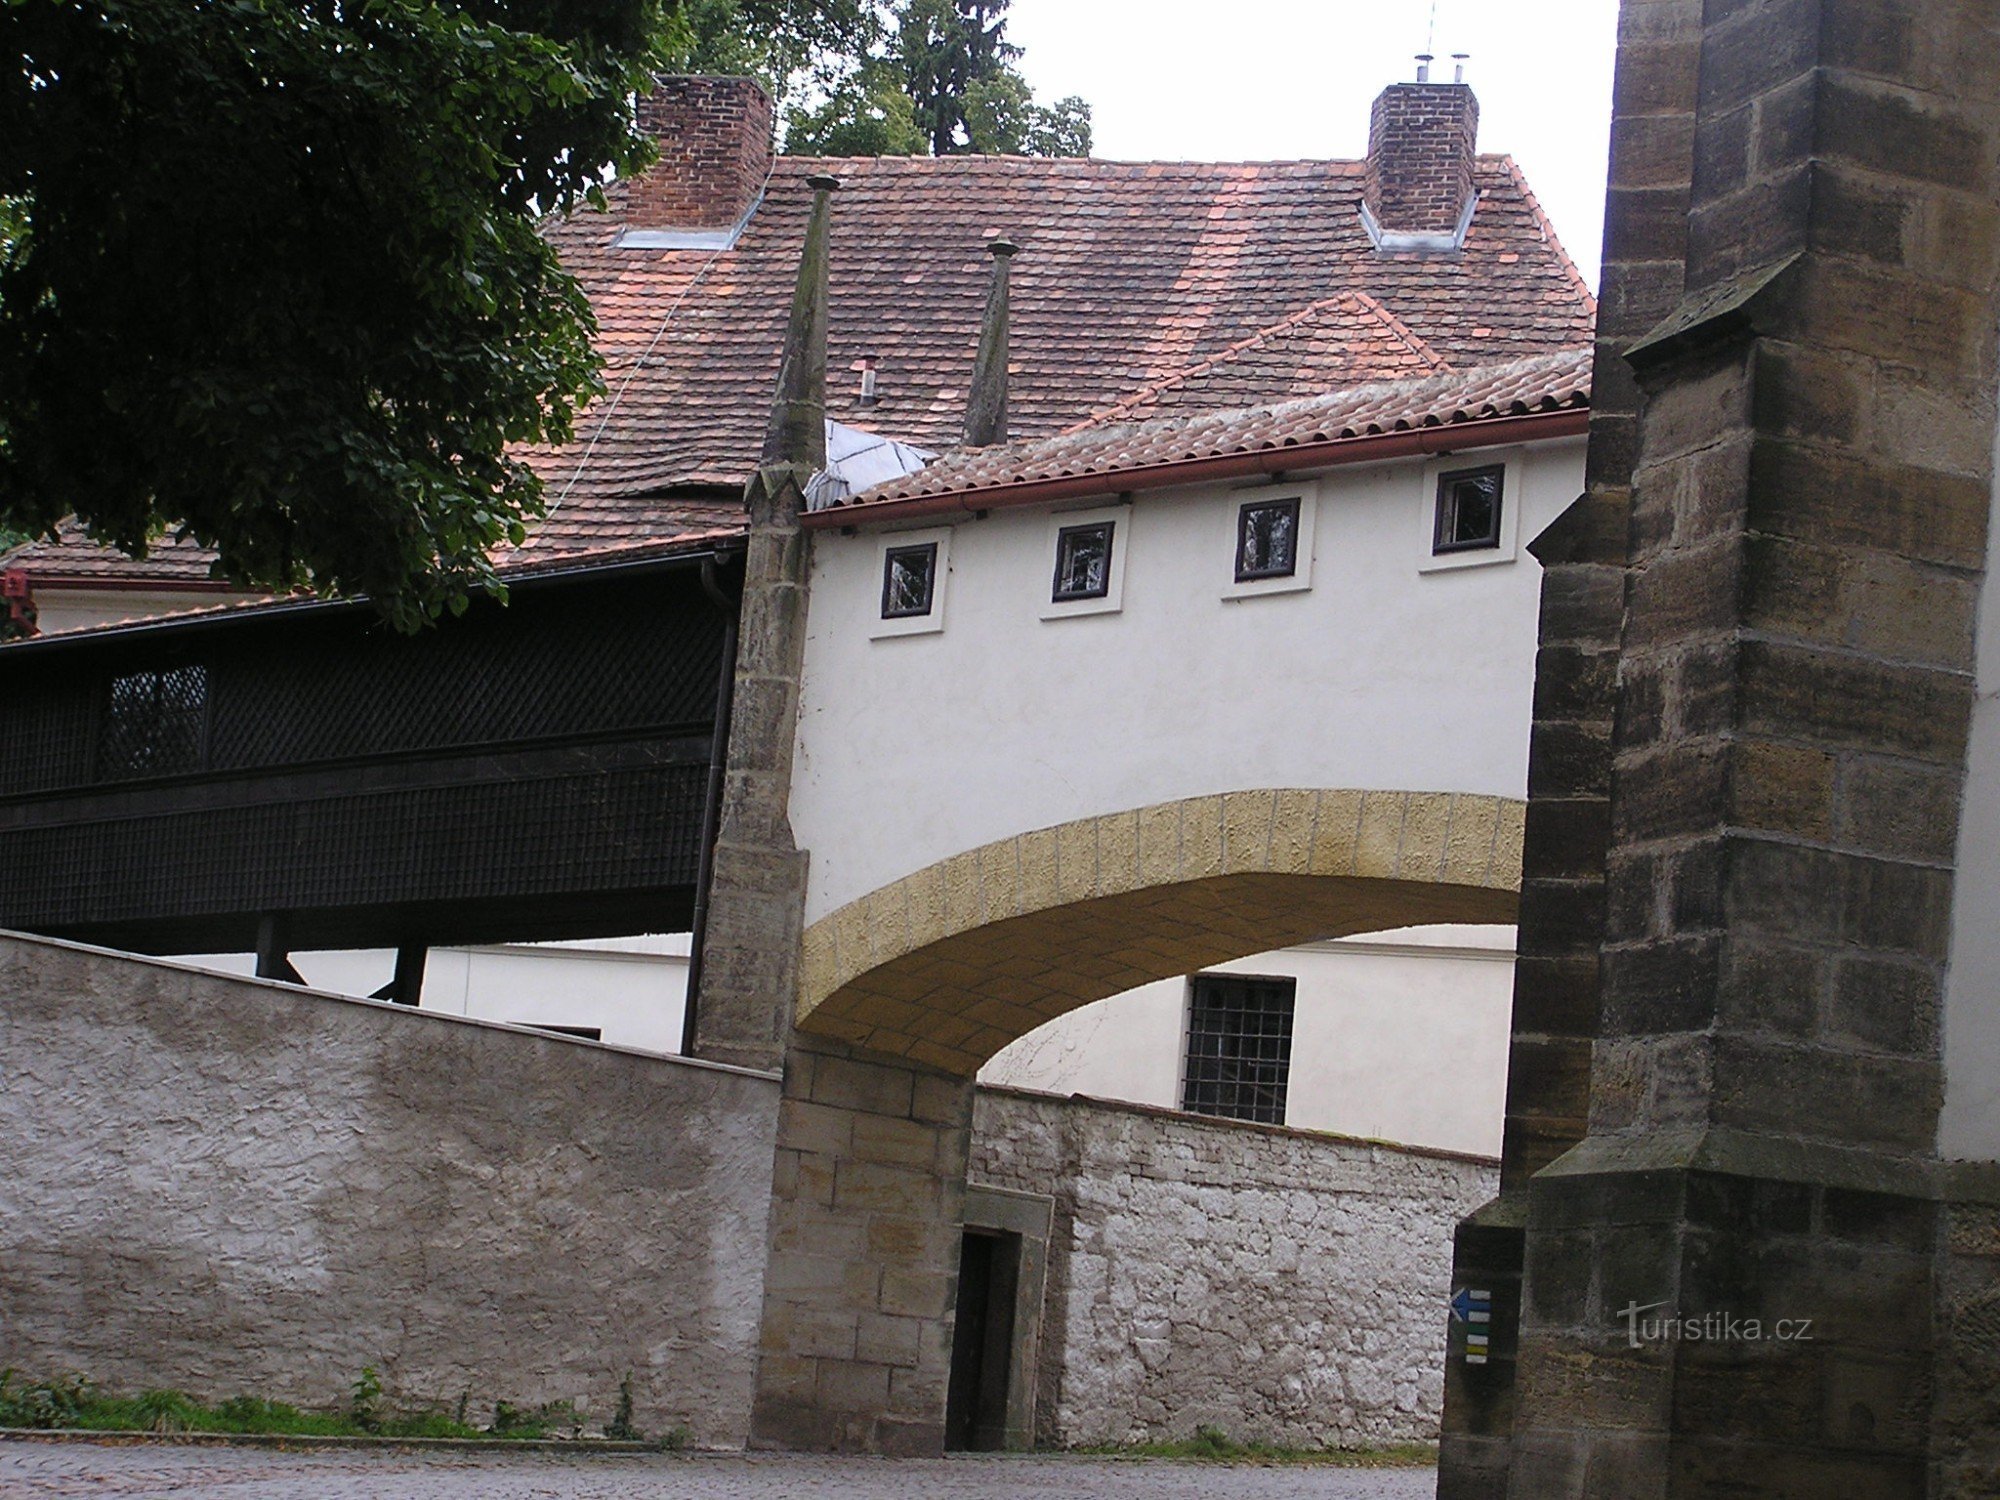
x,y
407,988
273,959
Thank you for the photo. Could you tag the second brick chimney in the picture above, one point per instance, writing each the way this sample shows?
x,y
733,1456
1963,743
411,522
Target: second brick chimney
x,y
1421,141
714,136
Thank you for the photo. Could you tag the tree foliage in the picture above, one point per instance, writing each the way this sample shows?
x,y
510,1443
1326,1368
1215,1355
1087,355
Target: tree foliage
x,y
270,276
939,80
786,44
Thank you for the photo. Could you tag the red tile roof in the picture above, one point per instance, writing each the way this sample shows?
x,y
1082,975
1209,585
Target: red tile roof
x,y
1315,350
1518,388
1140,287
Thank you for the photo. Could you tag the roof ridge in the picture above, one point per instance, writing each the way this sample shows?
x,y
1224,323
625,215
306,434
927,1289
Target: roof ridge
x,y
1353,297
1415,342
963,159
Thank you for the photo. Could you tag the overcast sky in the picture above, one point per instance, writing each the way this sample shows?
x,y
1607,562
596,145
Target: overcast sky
x,y
1265,80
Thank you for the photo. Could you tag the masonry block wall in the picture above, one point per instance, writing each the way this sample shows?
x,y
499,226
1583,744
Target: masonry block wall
x,y
1282,1285
866,1214
232,1187
1805,553
715,141
1556,974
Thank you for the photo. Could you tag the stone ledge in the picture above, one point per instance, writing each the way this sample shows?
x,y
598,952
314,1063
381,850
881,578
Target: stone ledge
x,y
1257,1127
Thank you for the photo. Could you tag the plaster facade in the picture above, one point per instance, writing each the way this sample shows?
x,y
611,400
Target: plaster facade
x,y
229,1186
61,609
1382,674
1398,1036
631,991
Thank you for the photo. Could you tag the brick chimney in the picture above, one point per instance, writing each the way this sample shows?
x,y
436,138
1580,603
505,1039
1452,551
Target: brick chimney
x,y
714,136
1421,140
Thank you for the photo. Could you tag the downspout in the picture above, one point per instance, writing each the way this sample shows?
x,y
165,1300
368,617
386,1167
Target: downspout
x,y
711,807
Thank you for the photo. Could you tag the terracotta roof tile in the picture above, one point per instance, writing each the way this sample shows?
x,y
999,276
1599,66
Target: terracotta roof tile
x,y
1522,387
1140,286
1130,275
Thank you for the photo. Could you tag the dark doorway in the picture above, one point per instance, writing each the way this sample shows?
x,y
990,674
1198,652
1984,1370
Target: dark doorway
x,y
982,1342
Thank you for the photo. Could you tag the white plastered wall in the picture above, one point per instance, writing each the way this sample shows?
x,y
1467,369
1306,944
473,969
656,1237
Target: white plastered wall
x,y
630,990
58,610
1383,674
1398,1036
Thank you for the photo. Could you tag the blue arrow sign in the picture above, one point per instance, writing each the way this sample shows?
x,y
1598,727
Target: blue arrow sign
x,y
1473,1307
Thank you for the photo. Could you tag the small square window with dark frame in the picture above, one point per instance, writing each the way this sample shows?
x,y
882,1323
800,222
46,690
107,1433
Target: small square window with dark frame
x,y
909,581
155,724
1083,562
1267,540
1468,509
1239,1047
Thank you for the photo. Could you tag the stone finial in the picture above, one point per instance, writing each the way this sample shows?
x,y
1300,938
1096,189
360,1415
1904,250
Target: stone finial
x,y
986,410
797,434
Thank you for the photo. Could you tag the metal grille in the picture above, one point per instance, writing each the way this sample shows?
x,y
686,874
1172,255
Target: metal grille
x,y
1239,1047
588,660
608,660
155,724
625,829
530,766
45,730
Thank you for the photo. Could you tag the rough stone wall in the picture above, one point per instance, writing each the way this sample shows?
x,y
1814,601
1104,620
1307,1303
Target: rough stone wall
x,y
1279,1284
231,1187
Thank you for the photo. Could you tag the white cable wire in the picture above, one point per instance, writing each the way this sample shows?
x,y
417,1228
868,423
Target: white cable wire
x,y
638,364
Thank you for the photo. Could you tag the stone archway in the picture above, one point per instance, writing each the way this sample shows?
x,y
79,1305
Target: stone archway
x,y
905,992
948,965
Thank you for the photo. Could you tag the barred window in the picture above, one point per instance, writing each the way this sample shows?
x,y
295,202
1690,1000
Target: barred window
x,y
1239,1047
155,724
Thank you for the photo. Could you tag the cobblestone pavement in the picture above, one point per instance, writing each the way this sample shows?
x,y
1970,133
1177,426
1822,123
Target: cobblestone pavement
x,y
118,1472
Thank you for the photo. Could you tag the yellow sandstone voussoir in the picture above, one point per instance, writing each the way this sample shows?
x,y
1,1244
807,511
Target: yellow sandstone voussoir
x,y
1380,843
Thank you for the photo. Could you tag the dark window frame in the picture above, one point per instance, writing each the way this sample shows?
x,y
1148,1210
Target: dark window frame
x,y
1237,1046
1057,594
929,552
1444,518
1288,503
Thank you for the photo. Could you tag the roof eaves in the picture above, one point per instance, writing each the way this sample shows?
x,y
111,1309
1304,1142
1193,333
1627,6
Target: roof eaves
x,y
1288,457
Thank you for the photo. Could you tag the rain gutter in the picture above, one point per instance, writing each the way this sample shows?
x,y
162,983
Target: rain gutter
x,y
1451,437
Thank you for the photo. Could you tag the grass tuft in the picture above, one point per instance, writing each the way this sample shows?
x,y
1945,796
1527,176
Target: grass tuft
x,y
75,1403
1213,1445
